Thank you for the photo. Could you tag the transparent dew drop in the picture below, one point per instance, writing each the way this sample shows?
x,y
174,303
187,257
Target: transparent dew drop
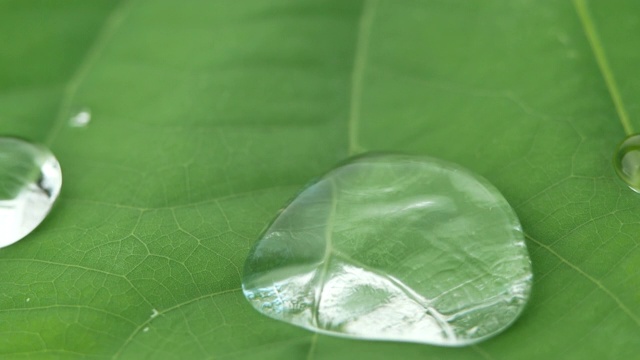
x,y
81,119
394,247
627,161
30,181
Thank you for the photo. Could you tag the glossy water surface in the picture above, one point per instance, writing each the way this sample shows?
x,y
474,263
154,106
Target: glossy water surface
x,y
627,161
30,181
394,247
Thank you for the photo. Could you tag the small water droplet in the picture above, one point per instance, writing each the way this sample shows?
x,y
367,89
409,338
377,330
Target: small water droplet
x,y
30,181
154,313
28,299
627,161
393,247
81,119
146,329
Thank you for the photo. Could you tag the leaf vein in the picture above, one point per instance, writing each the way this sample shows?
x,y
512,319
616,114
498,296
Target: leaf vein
x,y
164,312
595,281
110,25
357,75
598,51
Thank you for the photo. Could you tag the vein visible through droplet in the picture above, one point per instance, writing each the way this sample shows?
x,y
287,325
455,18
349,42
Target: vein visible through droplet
x,y
598,51
406,290
357,74
328,235
359,64
329,251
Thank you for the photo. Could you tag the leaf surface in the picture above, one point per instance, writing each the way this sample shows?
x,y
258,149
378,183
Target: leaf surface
x,y
207,116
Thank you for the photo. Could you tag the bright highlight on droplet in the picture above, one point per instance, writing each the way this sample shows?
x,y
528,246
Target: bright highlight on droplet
x,y
393,247
627,161
30,181
80,119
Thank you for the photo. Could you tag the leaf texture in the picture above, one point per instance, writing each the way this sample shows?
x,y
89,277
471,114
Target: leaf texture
x,y
206,116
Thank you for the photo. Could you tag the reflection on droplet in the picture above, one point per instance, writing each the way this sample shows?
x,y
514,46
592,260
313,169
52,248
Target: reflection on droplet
x,y
627,161
30,181
80,119
394,247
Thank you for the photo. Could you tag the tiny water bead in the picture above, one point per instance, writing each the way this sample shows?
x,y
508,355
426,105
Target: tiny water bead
x,y
81,119
627,161
393,247
30,181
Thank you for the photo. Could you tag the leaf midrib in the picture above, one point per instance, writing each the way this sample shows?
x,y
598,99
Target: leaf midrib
x,y
357,75
603,64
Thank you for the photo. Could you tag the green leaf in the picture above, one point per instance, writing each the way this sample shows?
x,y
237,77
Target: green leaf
x,y
206,116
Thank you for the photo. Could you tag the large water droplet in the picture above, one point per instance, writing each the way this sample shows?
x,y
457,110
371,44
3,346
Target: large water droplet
x,y
30,181
394,247
627,161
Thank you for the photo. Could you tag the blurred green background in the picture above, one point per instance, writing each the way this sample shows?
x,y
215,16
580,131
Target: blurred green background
x,y
206,116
